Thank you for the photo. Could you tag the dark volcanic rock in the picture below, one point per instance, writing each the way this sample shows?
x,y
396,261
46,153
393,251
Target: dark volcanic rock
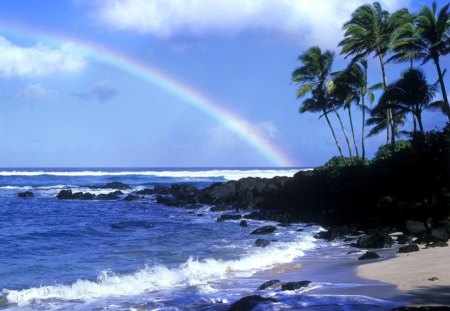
x,y
269,284
409,248
250,302
262,243
65,195
243,223
294,285
403,239
375,239
107,196
145,191
264,230
117,185
439,244
132,197
415,227
369,255
228,217
437,234
25,195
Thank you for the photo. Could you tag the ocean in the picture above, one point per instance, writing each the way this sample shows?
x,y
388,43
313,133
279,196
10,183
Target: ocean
x,y
139,255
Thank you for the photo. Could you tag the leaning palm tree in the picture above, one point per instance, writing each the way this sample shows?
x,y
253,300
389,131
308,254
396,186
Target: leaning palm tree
x,y
312,78
379,121
370,31
404,38
433,40
412,94
352,84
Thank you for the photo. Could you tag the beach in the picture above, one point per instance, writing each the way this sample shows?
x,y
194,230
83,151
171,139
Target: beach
x,y
423,275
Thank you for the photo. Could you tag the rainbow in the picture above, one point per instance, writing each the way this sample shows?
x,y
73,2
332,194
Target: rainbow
x,y
176,88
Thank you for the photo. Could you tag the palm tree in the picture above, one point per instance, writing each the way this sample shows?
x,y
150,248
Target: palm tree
x,y
433,40
379,121
403,39
413,94
312,78
370,31
352,84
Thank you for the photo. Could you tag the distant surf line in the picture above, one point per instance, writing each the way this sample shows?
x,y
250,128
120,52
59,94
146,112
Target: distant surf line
x,y
179,89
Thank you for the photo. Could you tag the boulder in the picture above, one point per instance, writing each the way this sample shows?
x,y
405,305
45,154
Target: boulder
x,y
132,197
262,243
221,208
117,185
65,195
264,230
409,248
269,284
145,191
25,194
243,223
107,196
369,255
375,239
228,217
250,303
438,244
403,239
437,234
415,227
294,285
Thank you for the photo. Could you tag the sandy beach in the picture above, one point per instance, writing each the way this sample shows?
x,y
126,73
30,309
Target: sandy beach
x,y
424,275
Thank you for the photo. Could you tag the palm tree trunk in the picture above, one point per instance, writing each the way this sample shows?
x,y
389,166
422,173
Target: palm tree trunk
x,y
343,131
389,110
444,92
414,123
334,136
353,131
363,128
419,120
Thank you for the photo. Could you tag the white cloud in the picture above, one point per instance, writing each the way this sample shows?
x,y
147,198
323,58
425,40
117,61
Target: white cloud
x,y
102,91
34,91
222,136
37,60
312,21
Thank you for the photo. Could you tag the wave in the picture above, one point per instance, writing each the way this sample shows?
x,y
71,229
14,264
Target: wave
x,y
191,273
229,174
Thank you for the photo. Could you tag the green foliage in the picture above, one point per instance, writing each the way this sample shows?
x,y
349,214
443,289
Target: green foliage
x,y
385,151
336,162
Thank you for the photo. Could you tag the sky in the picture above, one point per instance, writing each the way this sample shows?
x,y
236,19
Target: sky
x,y
169,83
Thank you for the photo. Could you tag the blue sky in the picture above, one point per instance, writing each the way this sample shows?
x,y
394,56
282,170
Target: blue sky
x,y
63,107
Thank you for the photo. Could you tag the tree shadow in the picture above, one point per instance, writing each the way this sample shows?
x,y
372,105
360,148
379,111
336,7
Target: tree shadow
x,y
435,295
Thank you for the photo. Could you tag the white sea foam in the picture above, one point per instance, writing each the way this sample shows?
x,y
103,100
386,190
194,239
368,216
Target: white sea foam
x,y
229,174
191,273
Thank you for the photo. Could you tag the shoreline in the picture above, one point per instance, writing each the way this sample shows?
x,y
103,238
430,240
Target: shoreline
x,y
414,275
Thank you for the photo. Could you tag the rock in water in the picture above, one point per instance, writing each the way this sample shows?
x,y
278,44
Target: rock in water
x,y
271,284
117,185
375,240
262,243
25,195
250,302
264,230
243,223
65,195
369,255
294,285
409,248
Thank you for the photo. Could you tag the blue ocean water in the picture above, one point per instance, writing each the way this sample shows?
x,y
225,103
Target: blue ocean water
x,y
139,255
